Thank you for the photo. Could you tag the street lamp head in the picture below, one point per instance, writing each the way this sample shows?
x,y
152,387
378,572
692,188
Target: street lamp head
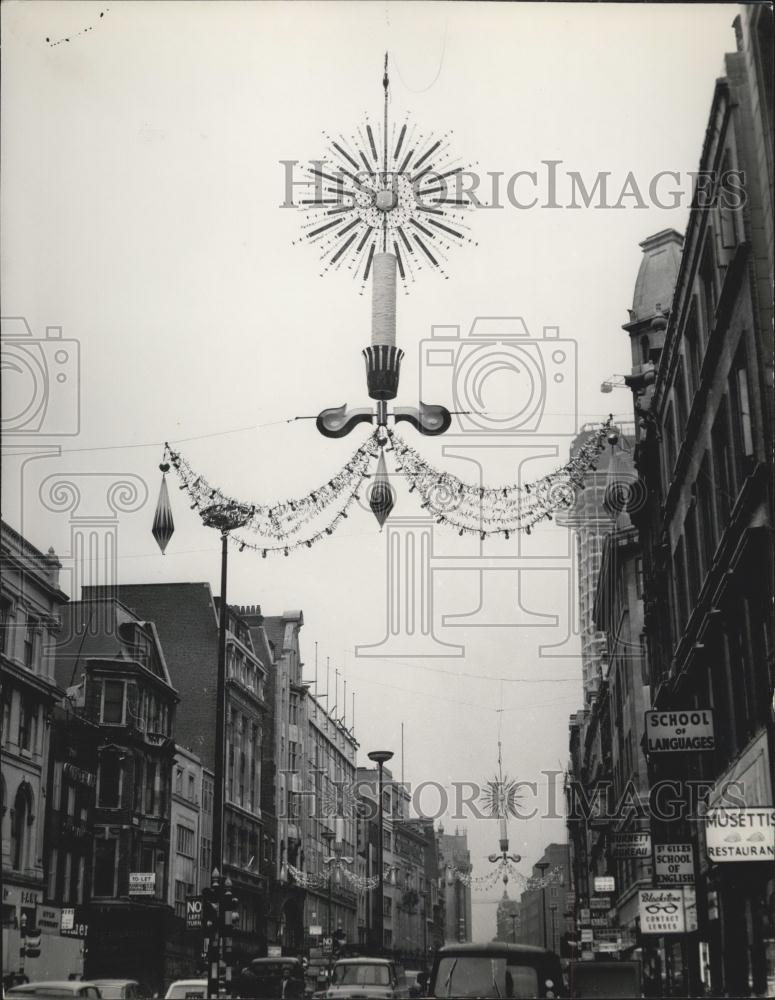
x,y
225,516
380,756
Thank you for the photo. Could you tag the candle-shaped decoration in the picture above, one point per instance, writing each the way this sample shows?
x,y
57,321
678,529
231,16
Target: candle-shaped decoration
x,y
383,358
383,300
504,835
163,525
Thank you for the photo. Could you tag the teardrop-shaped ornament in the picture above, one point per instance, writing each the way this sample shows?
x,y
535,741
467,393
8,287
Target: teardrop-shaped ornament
x,y
382,497
163,524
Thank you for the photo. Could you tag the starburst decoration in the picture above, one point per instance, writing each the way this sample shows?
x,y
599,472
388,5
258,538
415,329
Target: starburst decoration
x,y
397,189
501,797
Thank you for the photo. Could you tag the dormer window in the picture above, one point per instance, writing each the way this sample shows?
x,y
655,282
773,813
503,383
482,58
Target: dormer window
x,y
113,703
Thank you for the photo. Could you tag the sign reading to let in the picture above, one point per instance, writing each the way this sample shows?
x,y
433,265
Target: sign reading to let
x,y
662,911
674,864
740,834
142,883
668,732
631,845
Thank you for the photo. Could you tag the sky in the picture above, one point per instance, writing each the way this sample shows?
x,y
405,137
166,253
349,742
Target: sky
x,y
142,183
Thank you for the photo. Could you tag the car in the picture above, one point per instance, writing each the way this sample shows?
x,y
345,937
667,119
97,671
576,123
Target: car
x,y
271,978
495,970
183,989
120,989
366,978
55,989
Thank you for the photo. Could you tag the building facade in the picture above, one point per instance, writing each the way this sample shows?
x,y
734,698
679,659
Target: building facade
x,y
30,608
187,618
454,856
705,455
543,904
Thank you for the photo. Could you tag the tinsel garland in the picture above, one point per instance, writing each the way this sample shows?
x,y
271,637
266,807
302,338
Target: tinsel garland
x,y
285,518
318,880
506,871
497,510
481,510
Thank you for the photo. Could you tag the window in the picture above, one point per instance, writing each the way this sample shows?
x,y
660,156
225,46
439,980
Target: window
x,y
723,466
5,624
113,702
206,854
104,866
180,898
28,717
150,788
692,342
185,841
191,788
640,589
178,780
21,827
741,411
30,642
110,770
708,290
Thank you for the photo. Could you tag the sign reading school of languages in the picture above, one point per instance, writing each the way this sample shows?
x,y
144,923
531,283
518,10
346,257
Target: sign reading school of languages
x,y
667,732
740,834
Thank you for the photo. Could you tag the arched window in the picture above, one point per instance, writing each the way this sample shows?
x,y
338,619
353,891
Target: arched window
x,y
21,823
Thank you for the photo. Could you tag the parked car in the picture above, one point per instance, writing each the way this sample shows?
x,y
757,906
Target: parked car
x,y
273,978
55,989
496,970
187,989
366,978
120,989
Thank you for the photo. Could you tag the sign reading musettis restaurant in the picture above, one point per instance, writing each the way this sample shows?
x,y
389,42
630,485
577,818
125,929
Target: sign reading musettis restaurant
x,y
668,732
740,834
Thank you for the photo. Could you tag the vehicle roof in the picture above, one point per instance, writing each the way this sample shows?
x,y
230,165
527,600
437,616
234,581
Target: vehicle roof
x,y
115,982
189,982
360,959
68,984
496,947
288,959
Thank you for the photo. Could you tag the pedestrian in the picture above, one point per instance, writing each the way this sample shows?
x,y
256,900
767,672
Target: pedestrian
x,y
285,983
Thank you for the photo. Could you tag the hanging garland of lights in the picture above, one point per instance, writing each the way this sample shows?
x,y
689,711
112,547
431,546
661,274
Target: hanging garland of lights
x,y
319,880
509,869
497,510
487,511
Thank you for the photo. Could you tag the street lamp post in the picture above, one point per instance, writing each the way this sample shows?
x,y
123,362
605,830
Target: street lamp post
x,y
380,758
542,867
224,517
553,909
22,944
328,836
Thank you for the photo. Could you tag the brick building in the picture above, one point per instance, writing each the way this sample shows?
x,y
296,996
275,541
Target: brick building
x,y
30,606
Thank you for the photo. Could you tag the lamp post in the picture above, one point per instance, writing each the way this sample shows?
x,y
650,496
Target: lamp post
x,y
553,908
224,517
542,866
380,758
22,944
328,836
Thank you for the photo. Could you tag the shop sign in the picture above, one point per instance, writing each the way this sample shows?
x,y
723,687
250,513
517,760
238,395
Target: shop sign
x,y
600,903
79,776
740,834
607,947
690,908
674,864
48,920
584,915
71,924
600,921
631,845
668,732
586,935
315,930
142,883
587,956
662,911
274,951
604,883
15,896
